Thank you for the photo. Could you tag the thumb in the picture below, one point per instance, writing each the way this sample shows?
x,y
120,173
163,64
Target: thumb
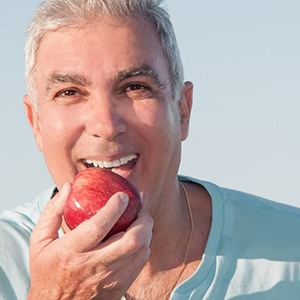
x,y
50,220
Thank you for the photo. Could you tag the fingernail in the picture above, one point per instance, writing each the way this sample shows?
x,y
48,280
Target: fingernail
x,y
142,199
65,190
124,198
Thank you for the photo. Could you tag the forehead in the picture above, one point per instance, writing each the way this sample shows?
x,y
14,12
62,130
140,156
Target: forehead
x,y
107,45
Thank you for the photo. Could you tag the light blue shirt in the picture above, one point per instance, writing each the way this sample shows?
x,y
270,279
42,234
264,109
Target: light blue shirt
x,y
15,229
253,250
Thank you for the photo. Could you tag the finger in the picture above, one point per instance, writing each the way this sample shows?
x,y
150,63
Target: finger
x,y
143,227
128,269
136,264
91,232
138,235
50,220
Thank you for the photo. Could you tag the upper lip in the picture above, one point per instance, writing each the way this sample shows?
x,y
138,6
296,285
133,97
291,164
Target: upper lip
x,y
110,163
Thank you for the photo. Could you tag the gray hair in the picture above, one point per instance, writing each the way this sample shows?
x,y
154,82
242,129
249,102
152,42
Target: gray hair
x,y
54,14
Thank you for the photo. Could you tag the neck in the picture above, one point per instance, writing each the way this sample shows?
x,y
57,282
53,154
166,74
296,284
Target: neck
x,y
173,234
172,231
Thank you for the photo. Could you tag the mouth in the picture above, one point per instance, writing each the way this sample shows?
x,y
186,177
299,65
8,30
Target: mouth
x,y
121,166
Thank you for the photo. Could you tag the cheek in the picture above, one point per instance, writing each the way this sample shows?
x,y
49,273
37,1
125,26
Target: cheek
x,y
159,115
60,133
59,129
171,121
160,125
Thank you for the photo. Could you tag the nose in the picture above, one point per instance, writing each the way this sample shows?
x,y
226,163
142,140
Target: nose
x,y
105,120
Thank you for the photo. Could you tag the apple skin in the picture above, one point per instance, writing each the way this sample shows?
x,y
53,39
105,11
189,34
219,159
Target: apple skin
x,y
91,190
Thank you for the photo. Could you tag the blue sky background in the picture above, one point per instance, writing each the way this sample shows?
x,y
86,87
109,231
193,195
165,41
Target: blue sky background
x,y
244,59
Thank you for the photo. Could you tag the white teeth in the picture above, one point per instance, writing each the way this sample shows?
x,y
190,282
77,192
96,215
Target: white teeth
x,y
116,163
111,164
123,160
107,164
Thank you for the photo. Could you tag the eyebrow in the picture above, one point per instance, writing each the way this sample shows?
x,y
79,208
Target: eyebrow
x,y
144,70
76,79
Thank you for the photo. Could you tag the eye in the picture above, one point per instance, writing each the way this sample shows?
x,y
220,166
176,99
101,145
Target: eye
x,y
66,93
135,87
137,91
70,96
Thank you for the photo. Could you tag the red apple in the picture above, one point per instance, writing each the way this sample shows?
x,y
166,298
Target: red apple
x,y
90,191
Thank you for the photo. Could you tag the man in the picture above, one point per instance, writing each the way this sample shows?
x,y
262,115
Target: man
x,y
105,89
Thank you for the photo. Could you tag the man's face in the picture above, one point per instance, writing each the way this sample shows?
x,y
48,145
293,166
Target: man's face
x,y
105,100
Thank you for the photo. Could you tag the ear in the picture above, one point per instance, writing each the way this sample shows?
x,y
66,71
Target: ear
x,y
185,106
33,120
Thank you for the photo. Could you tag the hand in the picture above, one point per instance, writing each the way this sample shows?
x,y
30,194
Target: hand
x,y
79,265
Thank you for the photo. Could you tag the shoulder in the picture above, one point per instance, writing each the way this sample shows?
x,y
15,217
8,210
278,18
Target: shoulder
x,y
27,214
244,201
252,219
253,246
259,206
16,226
